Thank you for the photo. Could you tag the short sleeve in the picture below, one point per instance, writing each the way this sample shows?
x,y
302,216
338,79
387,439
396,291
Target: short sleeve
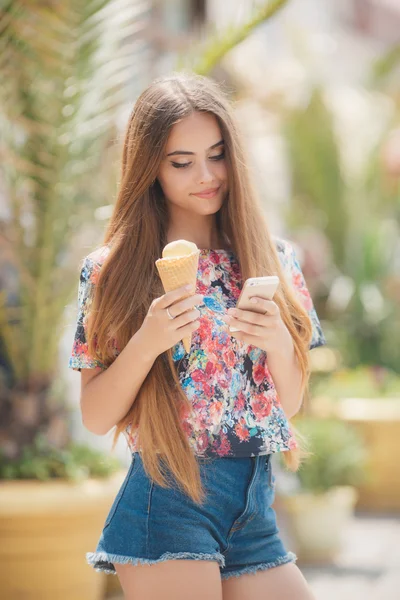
x,y
296,278
80,357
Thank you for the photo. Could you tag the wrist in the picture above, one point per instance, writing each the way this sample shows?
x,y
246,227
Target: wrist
x,y
147,353
284,349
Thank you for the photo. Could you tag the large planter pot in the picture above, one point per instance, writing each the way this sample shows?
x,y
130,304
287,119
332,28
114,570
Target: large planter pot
x,y
378,420
315,523
45,530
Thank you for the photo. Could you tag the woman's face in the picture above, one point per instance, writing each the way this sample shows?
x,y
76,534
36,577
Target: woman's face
x,y
194,163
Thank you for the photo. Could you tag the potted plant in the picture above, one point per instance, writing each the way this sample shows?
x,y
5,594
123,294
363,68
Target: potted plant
x,y
53,504
368,398
58,110
319,507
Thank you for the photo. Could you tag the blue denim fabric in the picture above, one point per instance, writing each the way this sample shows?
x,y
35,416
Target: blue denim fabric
x,y
236,526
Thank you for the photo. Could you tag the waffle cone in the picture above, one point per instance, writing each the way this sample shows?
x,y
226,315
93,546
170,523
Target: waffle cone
x,y
176,272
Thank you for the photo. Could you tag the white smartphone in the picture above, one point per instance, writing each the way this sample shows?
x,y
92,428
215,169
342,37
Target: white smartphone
x,y
263,287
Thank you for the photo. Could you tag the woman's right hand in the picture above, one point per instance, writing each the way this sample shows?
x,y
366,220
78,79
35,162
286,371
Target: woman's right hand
x,y
158,331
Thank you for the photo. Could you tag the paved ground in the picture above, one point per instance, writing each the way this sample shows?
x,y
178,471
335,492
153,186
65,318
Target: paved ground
x,y
368,568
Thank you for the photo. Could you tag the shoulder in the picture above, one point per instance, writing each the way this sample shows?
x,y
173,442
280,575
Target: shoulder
x,y
286,254
93,262
98,256
283,247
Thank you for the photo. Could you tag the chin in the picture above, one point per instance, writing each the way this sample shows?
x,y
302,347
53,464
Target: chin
x,y
211,205
208,210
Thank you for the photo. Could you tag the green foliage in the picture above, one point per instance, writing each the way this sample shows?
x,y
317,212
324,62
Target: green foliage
x,y
359,215
370,323
62,69
75,462
65,71
319,197
338,455
205,56
385,65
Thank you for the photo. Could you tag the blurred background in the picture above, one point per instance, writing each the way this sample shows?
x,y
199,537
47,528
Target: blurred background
x,y
316,86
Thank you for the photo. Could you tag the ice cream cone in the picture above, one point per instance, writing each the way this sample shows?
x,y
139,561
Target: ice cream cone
x,y
177,271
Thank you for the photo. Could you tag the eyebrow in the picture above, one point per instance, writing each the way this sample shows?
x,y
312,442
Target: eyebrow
x,y
186,152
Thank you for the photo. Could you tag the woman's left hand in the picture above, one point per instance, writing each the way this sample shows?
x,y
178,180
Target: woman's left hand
x,y
266,331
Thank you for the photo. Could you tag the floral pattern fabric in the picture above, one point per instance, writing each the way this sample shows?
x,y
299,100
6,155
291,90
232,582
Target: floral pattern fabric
x,y
236,409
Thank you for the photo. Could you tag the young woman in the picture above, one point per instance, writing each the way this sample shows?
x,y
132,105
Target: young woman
x,y
193,518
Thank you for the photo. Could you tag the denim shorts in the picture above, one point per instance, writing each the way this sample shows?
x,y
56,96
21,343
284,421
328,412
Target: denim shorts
x,y
236,525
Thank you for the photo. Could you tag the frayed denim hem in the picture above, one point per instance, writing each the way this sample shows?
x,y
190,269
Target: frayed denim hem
x,y
282,560
103,562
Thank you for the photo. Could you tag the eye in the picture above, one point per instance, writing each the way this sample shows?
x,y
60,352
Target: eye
x,y
180,165
218,157
184,165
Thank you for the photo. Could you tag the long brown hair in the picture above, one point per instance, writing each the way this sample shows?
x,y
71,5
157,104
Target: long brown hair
x,y
128,281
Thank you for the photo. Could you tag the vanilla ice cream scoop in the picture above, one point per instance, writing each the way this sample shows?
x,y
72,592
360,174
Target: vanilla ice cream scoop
x,y
179,248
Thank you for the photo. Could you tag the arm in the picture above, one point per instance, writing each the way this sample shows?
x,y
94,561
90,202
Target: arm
x,y
106,397
286,375
267,331
284,369
107,393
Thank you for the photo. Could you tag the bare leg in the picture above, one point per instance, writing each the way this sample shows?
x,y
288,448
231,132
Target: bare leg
x,y
285,582
171,580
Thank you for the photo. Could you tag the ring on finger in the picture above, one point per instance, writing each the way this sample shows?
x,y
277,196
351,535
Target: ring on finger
x,y
169,314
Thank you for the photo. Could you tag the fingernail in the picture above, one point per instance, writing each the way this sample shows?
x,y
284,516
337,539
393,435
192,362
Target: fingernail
x,y
189,287
253,300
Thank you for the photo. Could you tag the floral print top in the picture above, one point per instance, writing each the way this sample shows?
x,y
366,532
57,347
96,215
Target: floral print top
x,y
236,409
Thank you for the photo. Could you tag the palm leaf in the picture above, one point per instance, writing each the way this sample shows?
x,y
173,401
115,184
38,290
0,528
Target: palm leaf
x,y
216,44
66,68
385,65
319,191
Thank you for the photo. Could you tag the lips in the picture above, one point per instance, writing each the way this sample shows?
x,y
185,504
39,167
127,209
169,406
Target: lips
x,y
207,193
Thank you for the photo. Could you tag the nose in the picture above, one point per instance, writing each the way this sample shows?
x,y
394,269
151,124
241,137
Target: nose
x,y
205,172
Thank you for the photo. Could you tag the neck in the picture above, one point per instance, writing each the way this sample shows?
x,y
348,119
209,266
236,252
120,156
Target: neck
x,y
205,236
